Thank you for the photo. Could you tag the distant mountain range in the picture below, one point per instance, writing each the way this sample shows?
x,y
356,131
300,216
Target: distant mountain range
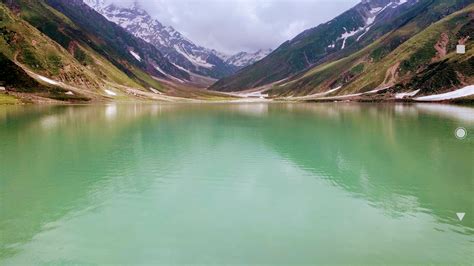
x,y
178,49
244,59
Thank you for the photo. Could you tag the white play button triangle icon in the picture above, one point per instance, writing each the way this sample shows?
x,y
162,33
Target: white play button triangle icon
x,y
460,215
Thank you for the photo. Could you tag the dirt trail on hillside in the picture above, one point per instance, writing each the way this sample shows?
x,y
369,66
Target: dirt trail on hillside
x,y
391,76
441,47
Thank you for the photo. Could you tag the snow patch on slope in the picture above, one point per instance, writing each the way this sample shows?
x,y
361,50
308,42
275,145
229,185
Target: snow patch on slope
x,y
136,56
47,80
110,93
346,35
400,2
155,91
464,92
167,75
374,12
406,94
196,60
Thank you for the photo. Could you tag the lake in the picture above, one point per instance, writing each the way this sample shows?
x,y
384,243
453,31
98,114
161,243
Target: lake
x,y
236,184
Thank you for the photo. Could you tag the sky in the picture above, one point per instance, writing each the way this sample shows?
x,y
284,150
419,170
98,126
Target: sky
x,y
232,26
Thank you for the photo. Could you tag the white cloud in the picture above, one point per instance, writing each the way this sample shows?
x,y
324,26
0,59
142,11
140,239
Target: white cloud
x,y
242,25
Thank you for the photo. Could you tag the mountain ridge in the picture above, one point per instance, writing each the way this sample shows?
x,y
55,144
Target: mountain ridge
x,y
424,64
175,46
72,53
347,33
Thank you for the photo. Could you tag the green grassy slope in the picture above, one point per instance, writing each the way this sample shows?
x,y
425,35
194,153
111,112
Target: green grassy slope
x,y
311,48
89,48
22,48
7,99
413,64
56,48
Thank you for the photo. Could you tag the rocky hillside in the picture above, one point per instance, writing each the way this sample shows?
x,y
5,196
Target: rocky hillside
x,y
177,48
30,62
358,28
118,42
64,50
426,63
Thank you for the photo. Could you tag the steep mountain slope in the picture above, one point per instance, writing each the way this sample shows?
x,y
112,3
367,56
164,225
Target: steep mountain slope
x,y
28,58
348,33
118,42
426,63
72,53
244,59
177,48
79,29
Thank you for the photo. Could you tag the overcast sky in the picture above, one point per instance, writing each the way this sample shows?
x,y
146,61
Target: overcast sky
x,y
242,25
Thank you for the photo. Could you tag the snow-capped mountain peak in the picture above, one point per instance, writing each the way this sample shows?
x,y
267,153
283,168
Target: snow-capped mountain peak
x,y
243,59
96,4
176,47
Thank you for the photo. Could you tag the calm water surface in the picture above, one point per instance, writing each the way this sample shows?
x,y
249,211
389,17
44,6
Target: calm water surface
x,y
238,183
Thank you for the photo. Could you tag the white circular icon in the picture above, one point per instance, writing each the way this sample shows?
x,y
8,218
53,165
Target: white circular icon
x,y
460,133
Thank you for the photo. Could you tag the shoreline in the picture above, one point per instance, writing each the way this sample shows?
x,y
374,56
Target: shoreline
x,y
462,96
52,102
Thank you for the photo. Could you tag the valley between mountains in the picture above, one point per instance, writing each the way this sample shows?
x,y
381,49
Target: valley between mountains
x,y
75,51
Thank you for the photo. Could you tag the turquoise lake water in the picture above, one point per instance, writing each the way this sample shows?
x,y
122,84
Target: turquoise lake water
x,y
236,184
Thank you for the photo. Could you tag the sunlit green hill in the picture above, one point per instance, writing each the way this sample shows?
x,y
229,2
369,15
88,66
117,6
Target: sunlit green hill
x,y
375,45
